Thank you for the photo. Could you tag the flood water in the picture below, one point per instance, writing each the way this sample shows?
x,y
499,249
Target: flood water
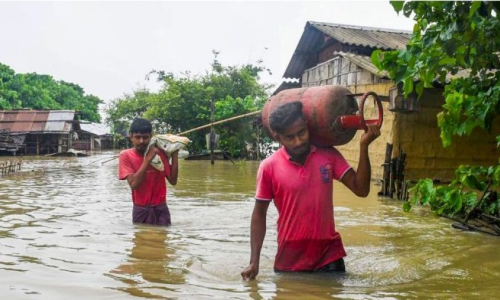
x,y
66,233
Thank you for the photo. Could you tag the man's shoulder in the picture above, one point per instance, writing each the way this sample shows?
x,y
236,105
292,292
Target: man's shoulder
x,y
127,153
273,158
328,151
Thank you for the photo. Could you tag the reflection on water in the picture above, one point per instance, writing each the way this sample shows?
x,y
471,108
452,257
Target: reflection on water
x,y
152,260
66,232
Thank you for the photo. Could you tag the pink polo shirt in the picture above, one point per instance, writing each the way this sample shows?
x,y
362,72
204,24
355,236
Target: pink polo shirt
x,y
303,196
153,190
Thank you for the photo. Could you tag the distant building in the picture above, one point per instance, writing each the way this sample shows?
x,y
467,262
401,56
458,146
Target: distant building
x,y
93,136
37,131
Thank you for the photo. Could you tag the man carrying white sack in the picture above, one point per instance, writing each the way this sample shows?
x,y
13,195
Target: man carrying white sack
x,y
145,167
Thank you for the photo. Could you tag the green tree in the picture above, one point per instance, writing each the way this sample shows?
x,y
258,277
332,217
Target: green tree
x,y
184,103
453,38
8,96
36,91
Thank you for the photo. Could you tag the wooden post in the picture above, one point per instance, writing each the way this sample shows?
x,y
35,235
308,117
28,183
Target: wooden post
x,y
392,185
258,143
400,166
396,175
387,170
212,133
220,122
60,143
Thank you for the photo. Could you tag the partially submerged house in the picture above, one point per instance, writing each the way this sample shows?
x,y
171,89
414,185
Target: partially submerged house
x,y
92,137
37,131
336,54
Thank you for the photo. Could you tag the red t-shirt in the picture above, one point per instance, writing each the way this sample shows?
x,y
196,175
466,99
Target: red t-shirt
x,y
153,190
303,196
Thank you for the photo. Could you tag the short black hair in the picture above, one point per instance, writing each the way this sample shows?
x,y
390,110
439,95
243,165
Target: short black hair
x,y
285,115
140,125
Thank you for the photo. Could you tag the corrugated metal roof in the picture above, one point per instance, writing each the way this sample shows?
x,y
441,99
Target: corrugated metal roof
x,y
286,86
40,120
31,121
7,121
95,128
24,122
368,37
57,121
378,38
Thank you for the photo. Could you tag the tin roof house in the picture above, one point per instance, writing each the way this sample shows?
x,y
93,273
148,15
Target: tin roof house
x,y
337,54
93,136
37,131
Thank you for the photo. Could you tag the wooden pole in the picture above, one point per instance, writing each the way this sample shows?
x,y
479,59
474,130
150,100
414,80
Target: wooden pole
x,y
392,178
387,170
203,127
258,143
212,133
115,157
478,202
220,122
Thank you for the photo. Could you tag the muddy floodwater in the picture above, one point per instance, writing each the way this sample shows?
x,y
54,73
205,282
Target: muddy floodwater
x,y
66,233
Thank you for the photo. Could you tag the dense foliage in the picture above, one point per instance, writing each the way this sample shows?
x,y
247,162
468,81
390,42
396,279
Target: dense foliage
x,y
36,91
184,103
472,189
454,45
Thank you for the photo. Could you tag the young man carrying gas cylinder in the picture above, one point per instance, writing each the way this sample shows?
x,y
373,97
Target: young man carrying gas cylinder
x,y
299,179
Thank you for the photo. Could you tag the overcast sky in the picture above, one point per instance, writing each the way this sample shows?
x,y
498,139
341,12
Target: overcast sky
x,y
108,48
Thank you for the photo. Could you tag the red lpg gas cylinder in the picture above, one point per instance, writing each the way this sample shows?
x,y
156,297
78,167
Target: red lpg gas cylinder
x,y
330,112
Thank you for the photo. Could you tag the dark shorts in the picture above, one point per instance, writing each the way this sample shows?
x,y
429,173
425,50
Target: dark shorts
x,y
336,266
152,215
